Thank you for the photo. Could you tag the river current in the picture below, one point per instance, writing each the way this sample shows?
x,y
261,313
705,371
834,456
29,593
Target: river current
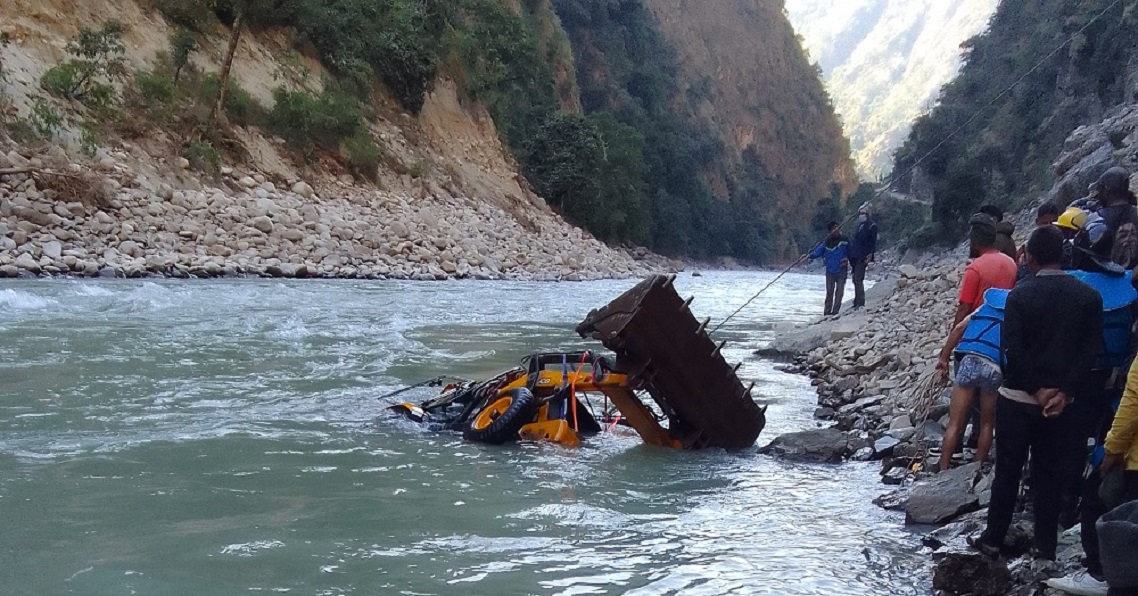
x,y
225,437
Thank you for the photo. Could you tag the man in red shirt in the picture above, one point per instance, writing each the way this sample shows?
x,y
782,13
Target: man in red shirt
x,y
990,268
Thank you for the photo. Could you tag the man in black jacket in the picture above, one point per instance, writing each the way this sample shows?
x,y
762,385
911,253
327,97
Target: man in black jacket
x,y
1050,337
863,248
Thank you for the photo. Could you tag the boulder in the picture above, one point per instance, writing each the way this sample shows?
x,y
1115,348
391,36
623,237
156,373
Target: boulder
x,y
909,271
943,497
263,224
27,263
303,189
820,445
53,250
883,447
969,572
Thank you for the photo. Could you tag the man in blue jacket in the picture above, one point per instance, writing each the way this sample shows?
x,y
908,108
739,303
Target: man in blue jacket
x,y
863,248
835,251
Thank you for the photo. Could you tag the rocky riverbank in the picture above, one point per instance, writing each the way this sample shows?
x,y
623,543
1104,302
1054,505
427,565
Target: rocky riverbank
x,y
881,399
58,217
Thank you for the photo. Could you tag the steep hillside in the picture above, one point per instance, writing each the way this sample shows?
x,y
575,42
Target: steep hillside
x,y
734,118
885,61
1076,59
664,124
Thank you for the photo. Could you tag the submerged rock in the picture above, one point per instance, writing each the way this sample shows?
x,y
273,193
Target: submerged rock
x,y
820,445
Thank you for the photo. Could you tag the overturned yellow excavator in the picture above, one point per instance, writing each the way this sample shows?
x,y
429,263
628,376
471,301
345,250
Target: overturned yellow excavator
x,y
666,379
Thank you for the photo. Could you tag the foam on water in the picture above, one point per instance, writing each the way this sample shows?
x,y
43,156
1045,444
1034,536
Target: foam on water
x,y
19,300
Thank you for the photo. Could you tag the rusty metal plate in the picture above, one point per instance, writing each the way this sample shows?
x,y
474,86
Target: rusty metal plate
x,y
665,350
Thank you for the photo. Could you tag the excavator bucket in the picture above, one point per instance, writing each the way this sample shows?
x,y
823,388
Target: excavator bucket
x,y
663,349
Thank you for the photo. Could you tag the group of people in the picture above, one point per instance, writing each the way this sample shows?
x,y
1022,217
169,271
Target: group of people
x,y
841,254
1044,335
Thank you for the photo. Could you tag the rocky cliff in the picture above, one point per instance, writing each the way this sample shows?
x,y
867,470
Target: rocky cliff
x,y
740,137
885,62
762,97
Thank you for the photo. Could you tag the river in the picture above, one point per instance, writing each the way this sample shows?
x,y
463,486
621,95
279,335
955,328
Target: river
x,y
224,437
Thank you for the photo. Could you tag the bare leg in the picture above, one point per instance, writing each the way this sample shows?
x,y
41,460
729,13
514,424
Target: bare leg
x,y
988,399
957,418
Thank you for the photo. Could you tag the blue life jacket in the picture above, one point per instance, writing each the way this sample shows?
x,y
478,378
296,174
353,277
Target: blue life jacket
x,y
1118,294
982,334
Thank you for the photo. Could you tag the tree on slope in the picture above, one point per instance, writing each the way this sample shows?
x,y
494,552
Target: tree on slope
x,y
244,13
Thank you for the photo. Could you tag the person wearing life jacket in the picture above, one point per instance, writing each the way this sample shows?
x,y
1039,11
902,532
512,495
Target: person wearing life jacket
x,y
975,346
989,267
1050,336
1095,413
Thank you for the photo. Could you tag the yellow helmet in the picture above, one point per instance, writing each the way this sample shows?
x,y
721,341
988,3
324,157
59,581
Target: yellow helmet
x,y
1072,219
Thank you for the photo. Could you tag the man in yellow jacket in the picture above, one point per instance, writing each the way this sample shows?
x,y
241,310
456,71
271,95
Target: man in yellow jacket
x,y
1122,442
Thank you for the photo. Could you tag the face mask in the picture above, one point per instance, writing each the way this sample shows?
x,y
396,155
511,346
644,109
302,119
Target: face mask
x,y
863,218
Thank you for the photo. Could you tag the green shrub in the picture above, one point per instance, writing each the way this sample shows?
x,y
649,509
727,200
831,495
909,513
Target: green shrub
x,y
359,39
363,155
46,120
154,88
309,122
419,169
89,138
182,44
99,58
203,157
239,105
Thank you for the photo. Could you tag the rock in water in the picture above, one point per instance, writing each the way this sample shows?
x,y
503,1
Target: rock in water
x,y
943,497
971,573
821,445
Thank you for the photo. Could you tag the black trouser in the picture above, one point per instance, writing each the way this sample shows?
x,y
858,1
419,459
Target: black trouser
x,y
1093,415
1022,428
835,288
859,266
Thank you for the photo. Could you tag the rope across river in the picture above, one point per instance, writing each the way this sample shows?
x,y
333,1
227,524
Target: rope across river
x,y
779,276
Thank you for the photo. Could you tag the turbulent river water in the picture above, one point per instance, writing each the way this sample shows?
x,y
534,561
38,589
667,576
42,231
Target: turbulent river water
x,y
224,437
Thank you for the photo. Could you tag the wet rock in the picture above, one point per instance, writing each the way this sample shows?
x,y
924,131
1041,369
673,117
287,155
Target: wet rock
x,y
943,497
820,445
863,454
824,413
969,572
892,500
895,477
883,447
